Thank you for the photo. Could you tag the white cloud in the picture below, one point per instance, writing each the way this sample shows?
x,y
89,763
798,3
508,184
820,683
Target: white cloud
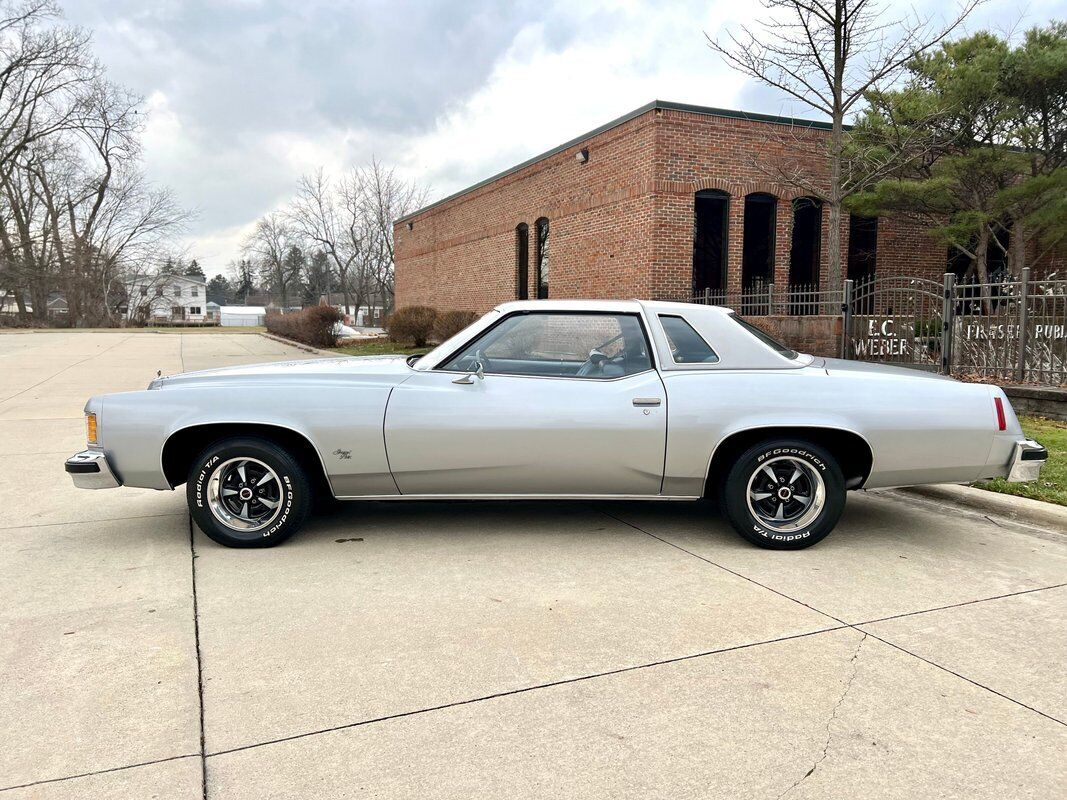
x,y
244,96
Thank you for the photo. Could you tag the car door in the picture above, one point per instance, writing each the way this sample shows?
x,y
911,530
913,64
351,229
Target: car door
x,y
566,404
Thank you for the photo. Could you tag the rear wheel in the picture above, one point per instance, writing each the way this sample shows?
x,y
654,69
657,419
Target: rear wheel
x,y
784,495
247,492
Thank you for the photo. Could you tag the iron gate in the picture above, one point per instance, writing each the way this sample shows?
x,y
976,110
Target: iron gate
x,y
897,320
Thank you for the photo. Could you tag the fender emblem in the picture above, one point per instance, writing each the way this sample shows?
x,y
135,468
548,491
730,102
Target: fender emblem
x,y
343,455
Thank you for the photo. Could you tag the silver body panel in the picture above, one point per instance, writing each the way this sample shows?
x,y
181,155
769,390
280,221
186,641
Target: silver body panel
x,y
386,430
510,434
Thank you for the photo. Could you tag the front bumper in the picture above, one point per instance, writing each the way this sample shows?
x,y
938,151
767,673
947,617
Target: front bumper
x,y
1027,459
89,470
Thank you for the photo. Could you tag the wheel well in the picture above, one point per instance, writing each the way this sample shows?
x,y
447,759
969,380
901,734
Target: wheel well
x,y
851,451
184,445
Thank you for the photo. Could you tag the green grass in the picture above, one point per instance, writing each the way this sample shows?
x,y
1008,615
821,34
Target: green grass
x,y
380,347
1051,487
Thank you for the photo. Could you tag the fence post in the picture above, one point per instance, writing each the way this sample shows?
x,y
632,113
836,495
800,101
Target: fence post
x,y
770,298
948,322
1024,319
846,317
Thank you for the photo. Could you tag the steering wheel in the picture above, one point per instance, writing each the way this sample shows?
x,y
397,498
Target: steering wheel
x,y
593,364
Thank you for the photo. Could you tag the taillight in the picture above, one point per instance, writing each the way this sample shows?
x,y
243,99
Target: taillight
x,y
1002,424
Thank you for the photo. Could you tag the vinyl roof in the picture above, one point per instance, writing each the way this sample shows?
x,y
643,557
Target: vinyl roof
x,y
637,112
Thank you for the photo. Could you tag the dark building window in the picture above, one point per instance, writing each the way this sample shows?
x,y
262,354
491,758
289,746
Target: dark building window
x,y
966,268
807,241
862,248
804,252
541,228
997,256
757,252
522,262
709,242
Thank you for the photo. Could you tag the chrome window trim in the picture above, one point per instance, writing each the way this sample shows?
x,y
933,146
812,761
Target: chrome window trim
x,y
642,322
718,359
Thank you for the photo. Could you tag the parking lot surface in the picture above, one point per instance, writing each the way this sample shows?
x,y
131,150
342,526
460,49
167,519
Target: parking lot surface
x,y
402,650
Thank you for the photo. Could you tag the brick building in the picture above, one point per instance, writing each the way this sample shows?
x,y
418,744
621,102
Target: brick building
x,y
665,202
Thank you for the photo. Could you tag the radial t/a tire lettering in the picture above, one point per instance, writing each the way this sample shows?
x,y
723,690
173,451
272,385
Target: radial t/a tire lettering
x,y
784,494
247,492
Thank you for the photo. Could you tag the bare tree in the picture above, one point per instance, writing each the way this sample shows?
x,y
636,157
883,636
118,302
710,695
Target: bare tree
x,y
828,54
267,246
351,221
322,217
104,218
43,69
382,197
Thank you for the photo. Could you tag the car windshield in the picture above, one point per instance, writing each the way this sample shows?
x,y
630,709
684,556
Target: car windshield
x,y
778,347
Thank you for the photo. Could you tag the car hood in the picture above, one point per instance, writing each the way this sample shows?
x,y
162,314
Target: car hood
x,y
374,369
841,365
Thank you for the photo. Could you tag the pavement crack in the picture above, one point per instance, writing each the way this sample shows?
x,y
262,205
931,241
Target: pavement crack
x,y
199,660
830,722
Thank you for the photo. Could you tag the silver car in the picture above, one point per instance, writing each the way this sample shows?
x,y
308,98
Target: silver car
x,y
554,400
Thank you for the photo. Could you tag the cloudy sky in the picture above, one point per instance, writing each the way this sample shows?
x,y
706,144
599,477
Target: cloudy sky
x,y
245,96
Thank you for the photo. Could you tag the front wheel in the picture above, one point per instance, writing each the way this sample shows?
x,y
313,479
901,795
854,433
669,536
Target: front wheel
x,y
784,495
247,492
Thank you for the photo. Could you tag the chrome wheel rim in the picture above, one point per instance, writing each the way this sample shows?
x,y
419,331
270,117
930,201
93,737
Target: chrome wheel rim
x,y
785,494
244,494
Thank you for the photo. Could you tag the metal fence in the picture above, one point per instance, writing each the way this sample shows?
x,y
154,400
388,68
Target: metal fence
x,y
1009,331
1012,330
760,299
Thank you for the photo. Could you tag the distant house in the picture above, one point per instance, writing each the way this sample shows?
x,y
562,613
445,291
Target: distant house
x,y
9,303
57,305
242,316
167,298
368,315
212,313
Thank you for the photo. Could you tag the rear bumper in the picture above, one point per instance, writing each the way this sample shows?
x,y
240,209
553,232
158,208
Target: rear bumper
x,y
89,470
1027,459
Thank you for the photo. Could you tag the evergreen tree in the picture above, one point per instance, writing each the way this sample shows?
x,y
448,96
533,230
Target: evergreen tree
x,y
219,290
194,270
987,124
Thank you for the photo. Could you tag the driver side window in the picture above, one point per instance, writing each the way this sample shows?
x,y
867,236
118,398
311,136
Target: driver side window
x,y
559,345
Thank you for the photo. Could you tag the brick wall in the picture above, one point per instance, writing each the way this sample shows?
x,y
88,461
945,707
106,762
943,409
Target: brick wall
x,y
818,335
621,225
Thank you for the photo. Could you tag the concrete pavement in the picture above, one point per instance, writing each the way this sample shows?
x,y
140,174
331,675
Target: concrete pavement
x,y
499,649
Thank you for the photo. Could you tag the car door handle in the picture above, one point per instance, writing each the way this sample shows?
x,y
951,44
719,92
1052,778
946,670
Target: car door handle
x,y
647,401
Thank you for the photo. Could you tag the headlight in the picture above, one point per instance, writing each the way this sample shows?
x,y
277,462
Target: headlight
x,y
90,428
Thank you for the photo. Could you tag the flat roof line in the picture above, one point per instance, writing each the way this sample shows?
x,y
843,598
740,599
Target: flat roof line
x,y
637,112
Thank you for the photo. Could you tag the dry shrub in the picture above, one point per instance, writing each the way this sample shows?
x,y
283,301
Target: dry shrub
x,y
450,323
411,324
313,326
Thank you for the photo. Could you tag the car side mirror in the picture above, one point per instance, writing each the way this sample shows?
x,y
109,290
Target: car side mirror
x,y
468,379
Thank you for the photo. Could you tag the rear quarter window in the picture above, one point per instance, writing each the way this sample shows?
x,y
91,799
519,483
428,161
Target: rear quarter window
x,y
687,346
768,340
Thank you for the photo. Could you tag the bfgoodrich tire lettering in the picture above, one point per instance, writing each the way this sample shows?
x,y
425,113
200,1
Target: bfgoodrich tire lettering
x,y
247,492
784,494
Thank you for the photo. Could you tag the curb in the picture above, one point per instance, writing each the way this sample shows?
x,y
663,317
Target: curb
x,y
1019,509
301,346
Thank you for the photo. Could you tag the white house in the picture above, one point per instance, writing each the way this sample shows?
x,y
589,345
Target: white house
x,y
237,316
369,315
171,298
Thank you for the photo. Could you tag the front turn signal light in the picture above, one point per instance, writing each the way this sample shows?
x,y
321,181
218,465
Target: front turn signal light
x,y
90,429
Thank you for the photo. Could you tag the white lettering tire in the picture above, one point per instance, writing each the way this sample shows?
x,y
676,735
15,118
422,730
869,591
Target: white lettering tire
x,y
247,492
784,495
